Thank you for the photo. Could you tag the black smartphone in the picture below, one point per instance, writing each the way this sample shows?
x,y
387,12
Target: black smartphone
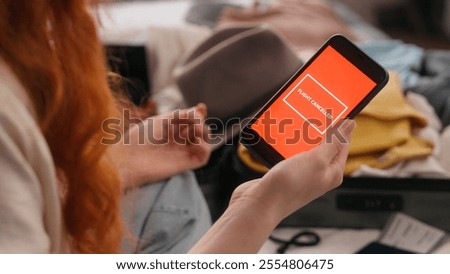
x,y
336,83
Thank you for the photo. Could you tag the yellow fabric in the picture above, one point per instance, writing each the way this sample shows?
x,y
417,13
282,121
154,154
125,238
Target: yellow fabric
x,y
372,135
386,121
413,147
250,161
383,134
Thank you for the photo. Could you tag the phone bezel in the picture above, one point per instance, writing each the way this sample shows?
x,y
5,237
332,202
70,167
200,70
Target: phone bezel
x,y
267,153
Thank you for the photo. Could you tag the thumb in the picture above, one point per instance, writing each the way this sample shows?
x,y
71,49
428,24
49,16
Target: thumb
x,y
336,146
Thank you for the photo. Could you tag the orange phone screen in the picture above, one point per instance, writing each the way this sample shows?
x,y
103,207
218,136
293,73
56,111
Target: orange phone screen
x,y
327,91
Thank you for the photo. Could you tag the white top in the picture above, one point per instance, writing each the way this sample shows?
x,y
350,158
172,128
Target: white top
x,y
30,208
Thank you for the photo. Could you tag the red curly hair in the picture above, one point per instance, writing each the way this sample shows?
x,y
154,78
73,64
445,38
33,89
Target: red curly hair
x,y
53,48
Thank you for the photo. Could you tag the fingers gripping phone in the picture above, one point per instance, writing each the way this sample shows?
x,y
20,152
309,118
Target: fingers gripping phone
x,y
336,83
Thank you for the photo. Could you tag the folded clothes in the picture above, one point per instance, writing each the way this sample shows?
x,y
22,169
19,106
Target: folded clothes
x,y
387,114
435,165
426,167
412,148
384,135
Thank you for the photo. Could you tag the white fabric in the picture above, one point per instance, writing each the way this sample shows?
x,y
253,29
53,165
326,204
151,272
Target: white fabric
x,y
444,156
30,209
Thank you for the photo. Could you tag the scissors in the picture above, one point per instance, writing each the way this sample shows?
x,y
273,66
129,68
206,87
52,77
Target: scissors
x,y
302,238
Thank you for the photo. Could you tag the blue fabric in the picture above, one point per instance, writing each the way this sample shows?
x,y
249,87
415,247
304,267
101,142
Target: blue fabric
x,y
423,72
435,83
405,59
165,217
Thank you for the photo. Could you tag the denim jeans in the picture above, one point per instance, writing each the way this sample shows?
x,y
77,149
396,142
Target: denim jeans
x,y
165,217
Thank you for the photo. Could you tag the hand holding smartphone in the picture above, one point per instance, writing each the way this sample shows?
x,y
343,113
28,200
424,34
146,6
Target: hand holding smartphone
x,y
336,83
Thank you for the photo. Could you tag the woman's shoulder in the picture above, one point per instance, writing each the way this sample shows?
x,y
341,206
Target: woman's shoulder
x,y
17,116
28,185
12,92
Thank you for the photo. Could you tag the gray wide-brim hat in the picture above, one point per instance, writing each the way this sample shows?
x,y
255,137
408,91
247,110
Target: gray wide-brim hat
x,y
235,71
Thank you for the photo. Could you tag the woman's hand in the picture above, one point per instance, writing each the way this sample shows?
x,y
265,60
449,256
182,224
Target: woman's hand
x,y
257,207
164,145
295,182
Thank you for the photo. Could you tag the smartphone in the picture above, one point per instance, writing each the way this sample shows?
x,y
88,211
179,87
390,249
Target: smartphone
x,y
336,83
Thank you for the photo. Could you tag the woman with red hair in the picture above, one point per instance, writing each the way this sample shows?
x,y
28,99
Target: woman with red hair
x,y
61,185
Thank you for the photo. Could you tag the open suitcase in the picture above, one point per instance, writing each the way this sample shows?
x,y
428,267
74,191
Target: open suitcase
x,y
367,202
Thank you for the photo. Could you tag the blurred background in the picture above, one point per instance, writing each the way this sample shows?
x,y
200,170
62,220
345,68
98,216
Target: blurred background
x,y
422,22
